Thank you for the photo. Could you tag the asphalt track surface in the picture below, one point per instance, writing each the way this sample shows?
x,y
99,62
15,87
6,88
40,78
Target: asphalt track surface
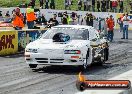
x,y
17,78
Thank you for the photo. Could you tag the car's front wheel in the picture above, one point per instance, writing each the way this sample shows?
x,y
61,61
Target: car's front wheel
x,y
32,65
105,56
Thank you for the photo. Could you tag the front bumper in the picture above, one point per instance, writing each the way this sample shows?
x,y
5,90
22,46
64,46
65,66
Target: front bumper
x,y
40,59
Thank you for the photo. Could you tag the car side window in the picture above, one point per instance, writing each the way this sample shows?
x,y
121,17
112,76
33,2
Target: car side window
x,y
85,34
94,34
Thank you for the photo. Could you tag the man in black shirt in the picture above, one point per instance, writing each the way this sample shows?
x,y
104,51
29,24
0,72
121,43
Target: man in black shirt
x,y
43,19
53,21
121,6
41,3
107,5
111,6
98,6
52,4
87,19
91,18
93,5
7,14
103,7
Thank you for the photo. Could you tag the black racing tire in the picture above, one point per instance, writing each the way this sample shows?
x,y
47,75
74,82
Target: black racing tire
x,y
81,86
106,54
32,65
81,68
99,63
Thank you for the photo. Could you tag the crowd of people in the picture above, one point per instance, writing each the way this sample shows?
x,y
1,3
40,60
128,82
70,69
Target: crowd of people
x,y
123,22
102,5
32,18
86,5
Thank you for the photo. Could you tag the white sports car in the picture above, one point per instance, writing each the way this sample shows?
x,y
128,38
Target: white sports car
x,y
76,45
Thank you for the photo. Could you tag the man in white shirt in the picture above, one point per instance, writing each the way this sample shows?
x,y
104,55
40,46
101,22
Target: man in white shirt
x,y
126,21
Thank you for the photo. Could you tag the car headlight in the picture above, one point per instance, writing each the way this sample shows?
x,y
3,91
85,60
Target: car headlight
x,y
72,52
32,50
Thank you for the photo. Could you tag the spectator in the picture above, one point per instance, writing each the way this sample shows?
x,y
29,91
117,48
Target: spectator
x,y
30,16
107,5
68,4
85,5
41,3
120,22
87,19
93,5
110,26
43,19
38,17
103,6
98,5
105,26
52,4
130,7
46,4
18,20
65,19
111,6
89,4
79,4
1,14
53,21
91,18
24,18
121,6
32,2
7,14
125,26
114,6
74,18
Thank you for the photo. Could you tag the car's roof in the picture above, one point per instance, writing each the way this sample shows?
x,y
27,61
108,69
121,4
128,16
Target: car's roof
x,y
73,26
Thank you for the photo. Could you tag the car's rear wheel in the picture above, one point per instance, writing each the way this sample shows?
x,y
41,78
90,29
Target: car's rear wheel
x,y
32,65
80,86
82,68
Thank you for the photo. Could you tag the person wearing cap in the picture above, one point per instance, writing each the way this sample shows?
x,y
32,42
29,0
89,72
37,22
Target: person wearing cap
x,y
110,28
30,16
125,26
18,20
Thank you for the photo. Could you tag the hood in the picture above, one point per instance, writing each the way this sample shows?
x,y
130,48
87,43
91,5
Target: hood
x,y
49,44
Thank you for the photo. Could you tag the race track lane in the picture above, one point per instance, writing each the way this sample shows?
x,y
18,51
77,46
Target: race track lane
x,y
17,78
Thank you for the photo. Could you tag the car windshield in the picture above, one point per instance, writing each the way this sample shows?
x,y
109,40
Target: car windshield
x,y
74,34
